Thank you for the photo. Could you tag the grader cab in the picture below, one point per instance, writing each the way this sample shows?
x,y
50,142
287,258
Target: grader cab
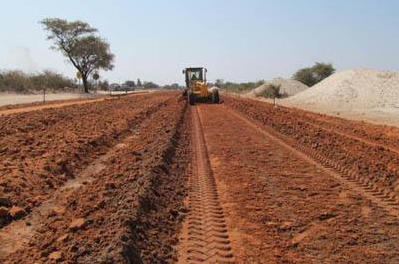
x,y
197,88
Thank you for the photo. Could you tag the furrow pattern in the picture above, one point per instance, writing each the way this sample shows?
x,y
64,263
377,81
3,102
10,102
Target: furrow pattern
x,y
385,198
208,238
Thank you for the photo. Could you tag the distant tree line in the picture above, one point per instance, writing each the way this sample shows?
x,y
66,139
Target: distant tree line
x,y
139,84
173,86
131,85
20,82
236,87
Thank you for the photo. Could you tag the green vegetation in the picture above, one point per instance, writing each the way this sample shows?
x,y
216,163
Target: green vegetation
x,y
139,84
237,87
173,86
19,82
273,91
130,83
103,85
316,73
150,85
77,41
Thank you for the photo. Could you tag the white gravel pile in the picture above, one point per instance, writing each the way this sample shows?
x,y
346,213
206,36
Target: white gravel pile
x,y
352,90
287,86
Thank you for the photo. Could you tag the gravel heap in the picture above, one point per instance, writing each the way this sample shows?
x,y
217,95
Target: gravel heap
x,y
287,86
353,89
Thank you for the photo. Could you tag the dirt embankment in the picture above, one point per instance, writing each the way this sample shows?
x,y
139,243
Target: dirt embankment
x,y
41,150
368,154
131,211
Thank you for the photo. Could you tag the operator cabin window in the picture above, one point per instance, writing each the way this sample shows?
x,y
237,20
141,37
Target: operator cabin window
x,y
195,75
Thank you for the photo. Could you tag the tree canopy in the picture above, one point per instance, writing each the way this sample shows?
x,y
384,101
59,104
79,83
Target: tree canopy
x,y
312,75
130,83
150,85
78,42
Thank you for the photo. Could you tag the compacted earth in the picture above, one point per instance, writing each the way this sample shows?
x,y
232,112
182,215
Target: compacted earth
x,y
148,178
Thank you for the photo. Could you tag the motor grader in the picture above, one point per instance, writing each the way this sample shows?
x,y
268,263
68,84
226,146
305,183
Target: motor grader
x,y
197,88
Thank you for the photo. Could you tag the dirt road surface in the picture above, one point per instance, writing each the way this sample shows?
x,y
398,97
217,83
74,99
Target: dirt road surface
x,y
150,179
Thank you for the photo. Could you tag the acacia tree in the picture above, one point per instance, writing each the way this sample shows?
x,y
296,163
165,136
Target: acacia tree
x,y
312,75
77,41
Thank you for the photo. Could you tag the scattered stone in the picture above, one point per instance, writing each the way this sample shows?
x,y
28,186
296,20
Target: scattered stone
x,y
58,210
100,205
4,212
56,256
174,213
77,224
388,222
17,212
326,215
5,202
286,225
63,238
110,186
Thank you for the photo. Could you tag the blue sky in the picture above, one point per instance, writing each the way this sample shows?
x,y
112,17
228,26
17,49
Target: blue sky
x,y
236,40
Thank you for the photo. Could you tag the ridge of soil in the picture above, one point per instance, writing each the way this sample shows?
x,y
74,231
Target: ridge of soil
x,y
281,208
131,211
373,162
42,150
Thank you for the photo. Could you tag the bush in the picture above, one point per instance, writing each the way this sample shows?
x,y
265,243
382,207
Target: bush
x,y
273,91
238,87
150,85
103,85
316,73
19,82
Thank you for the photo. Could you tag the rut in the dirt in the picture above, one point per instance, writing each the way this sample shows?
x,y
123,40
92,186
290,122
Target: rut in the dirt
x,y
383,198
366,158
206,239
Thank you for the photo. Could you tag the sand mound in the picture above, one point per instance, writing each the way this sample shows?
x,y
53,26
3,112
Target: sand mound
x,y
353,89
287,86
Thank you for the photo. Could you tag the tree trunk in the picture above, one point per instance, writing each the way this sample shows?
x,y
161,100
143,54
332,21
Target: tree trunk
x,y
85,83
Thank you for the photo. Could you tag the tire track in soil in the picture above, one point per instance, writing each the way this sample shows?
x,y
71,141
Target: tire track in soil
x,y
375,162
371,134
205,237
282,209
344,134
386,199
386,136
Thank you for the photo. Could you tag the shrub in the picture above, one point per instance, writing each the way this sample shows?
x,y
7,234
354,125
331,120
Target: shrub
x,y
273,91
20,82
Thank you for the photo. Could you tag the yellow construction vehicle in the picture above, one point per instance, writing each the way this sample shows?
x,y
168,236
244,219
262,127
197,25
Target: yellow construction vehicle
x,y
197,88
